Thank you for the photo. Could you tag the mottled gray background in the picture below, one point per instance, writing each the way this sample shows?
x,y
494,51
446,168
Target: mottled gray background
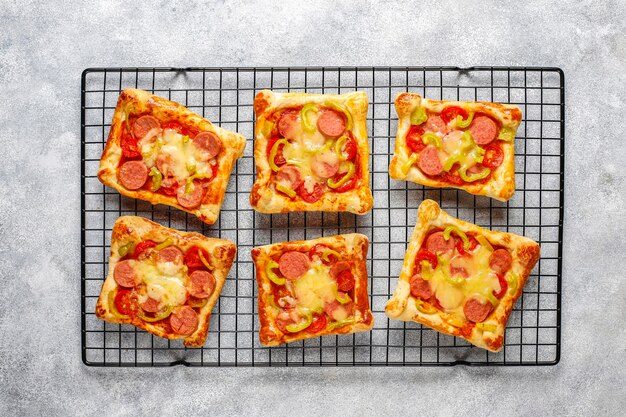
x,y
44,46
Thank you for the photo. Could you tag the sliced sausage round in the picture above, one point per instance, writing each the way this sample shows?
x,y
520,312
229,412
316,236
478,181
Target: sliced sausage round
x,y
339,267
151,305
209,145
192,199
331,123
484,130
170,254
476,311
144,124
290,176
184,320
325,164
133,175
437,244
500,261
420,288
202,284
435,124
287,123
429,161
125,275
293,264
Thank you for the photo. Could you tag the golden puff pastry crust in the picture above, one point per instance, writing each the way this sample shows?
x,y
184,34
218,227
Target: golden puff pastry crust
x,y
352,248
501,183
264,197
490,333
132,103
132,230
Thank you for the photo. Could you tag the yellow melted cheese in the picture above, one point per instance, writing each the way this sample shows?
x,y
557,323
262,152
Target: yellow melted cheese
x,y
480,282
180,151
168,288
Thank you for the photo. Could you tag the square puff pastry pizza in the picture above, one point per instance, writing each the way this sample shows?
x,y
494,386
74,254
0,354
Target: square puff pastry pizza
x,y
161,152
460,279
466,145
312,288
311,153
162,280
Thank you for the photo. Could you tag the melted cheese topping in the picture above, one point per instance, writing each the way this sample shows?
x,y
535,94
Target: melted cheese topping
x,y
164,282
184,159
314,289
481,281
455,146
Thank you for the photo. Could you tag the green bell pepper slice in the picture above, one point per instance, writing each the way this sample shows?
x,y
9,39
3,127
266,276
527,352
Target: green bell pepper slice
x,y
454,280
123,250
484,242
351,170
344,110
507,134
343,299
269,270
274,151
455,321
419,115
298,327
286,190
486,327
157,177
491,298
424,308
329,252
427,271
340,323
447,166
266,128
159,316
513,280
167,242
431,139
185,139
304,115
459,233
409,163
339,147
459,122
473,177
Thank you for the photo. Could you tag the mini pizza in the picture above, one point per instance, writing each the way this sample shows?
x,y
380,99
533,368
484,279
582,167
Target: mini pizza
x,y
311,153
162,280
312,288
460,279
456,144
161,152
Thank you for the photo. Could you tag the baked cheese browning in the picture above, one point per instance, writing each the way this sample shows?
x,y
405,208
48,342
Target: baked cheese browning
x,y
312,151
162,280
460,279
167,158
456,144
311,289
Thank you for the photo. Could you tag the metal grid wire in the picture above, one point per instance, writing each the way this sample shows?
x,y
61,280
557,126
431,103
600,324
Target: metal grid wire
x,y
225,96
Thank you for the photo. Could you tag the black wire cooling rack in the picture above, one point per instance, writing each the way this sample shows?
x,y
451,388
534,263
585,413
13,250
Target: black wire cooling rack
x,y
225,96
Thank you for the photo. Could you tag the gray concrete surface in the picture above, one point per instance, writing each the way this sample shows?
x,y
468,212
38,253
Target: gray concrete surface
x,y
44,46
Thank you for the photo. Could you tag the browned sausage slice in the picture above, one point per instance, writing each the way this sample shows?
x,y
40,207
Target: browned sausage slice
x,y
500,261
192,199
429,161
144,124
484,130
184,320
209,145
151,305
339,267
170,254
476,311
293,264
420,288
290,176
437,244
436,124
124,274
287,123
331,123
133,175
325,164
202,284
